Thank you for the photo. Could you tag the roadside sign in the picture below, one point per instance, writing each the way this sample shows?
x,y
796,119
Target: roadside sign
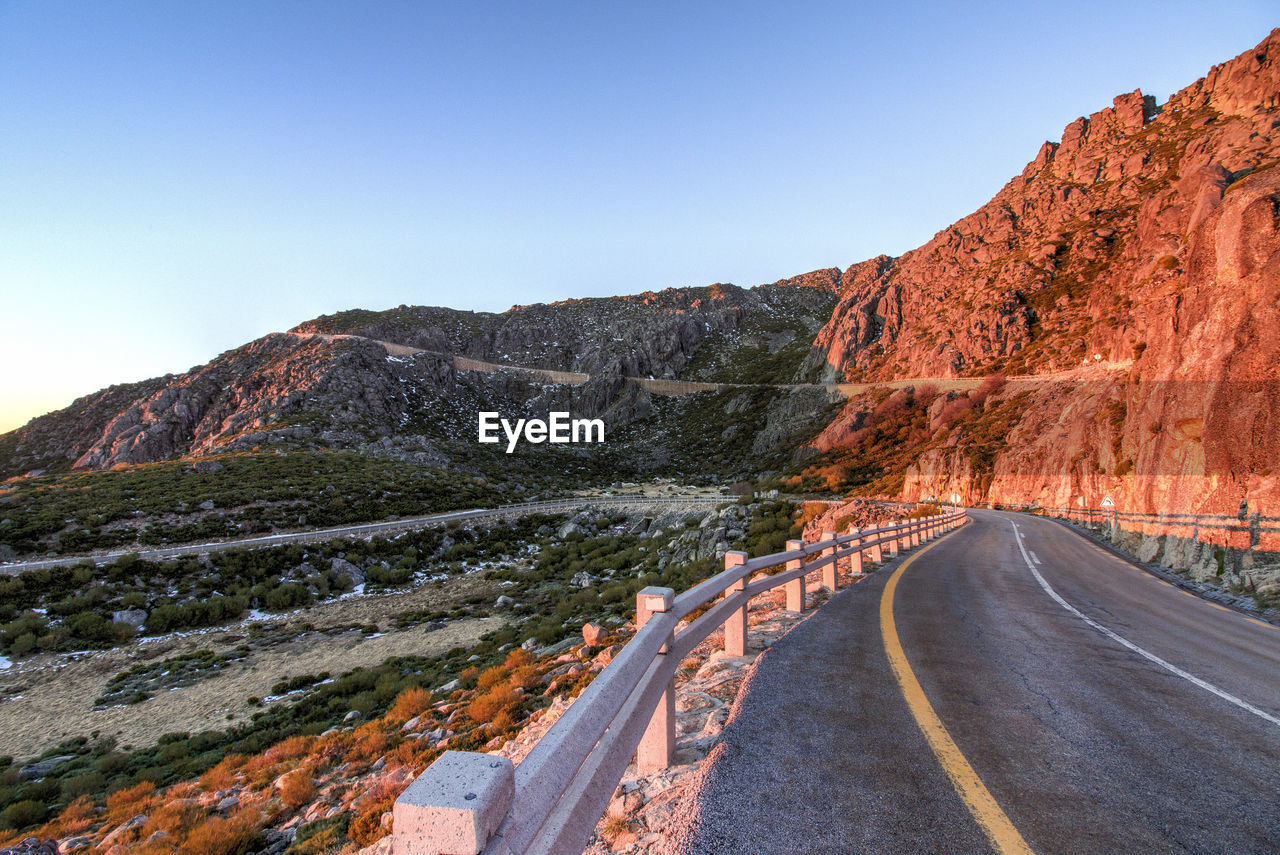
x,y
1108,502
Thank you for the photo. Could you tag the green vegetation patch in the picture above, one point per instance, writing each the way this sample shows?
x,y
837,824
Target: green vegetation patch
x,y
72,608
142,681
224,496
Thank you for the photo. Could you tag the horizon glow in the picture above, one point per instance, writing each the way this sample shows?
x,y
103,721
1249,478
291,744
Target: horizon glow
x,y
179,180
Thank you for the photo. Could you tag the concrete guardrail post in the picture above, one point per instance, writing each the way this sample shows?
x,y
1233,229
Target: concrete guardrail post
x,y
855,560
455,806
658,745
829,572
895,541
915,534
877,553
735,627
795,588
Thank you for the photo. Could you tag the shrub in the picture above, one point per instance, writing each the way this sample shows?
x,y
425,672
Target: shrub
x,y
76,818
88,784
173,817
492,677
410,703
23,644
485,707
321,836
113,763
140,798
371,742
223,775
297,789
23,814
367,827
218,836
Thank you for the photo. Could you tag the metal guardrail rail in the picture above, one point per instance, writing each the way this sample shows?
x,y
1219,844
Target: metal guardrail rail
x,y
1244,531
365,529
550,803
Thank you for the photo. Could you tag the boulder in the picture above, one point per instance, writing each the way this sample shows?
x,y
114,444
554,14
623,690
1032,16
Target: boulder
x,y
40,768
569,528
343,567
594,634
133,617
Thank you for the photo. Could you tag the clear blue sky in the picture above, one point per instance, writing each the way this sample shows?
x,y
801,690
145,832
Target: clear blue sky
x,y
179,178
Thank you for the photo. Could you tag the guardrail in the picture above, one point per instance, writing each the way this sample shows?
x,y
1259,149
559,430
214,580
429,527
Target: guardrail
x,y
364,529
1244,532
473,803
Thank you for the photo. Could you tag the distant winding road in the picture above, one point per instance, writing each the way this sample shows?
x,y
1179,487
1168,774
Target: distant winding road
x,y
1013,688
317,535
1087,371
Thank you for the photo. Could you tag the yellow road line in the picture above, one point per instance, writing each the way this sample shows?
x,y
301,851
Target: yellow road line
x,y
975,795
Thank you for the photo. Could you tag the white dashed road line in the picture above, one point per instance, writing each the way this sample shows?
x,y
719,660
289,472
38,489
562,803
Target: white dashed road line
x,y
1173,669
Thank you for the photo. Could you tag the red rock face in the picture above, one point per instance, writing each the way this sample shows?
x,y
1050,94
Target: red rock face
x,y
1138,262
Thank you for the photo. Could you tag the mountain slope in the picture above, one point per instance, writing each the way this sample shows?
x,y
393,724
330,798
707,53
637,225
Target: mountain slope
x,y
1139,258
1132,266
352,380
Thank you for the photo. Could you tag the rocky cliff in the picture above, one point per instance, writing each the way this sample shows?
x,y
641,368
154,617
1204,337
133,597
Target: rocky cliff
x,y
1137,263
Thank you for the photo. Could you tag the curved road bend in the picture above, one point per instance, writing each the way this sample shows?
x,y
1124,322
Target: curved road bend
x,y
1085,743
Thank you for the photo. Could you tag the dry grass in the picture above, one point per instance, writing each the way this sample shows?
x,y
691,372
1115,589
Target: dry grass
x,y
297,789
486,706
126,804
410,703
224,774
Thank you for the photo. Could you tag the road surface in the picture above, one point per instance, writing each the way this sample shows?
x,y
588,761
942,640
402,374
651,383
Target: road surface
x,y
1047,697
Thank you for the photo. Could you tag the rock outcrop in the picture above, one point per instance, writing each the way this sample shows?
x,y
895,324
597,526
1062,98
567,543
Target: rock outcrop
x,y
1137,262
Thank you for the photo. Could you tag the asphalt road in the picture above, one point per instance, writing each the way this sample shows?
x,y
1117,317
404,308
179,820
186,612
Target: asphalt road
x,y
1121,716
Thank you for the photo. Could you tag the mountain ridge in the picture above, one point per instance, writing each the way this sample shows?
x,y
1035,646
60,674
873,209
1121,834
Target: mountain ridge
x,y
1133,240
